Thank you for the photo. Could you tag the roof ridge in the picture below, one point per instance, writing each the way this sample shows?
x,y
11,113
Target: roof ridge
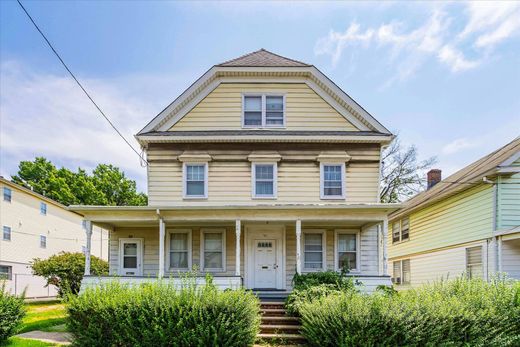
x,y
262,50
240,57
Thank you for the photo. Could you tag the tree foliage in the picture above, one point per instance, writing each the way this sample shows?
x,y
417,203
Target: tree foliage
x,y
402,174
65,270
107,185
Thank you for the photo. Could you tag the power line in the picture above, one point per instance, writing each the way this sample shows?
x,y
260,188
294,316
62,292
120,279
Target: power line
x,y
79,84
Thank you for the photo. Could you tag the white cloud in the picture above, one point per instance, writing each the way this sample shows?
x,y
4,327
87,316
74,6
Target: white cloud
x,y
47,115
457,146
409,48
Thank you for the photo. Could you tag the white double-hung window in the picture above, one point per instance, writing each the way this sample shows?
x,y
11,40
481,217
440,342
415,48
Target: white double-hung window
x,y
332,180
264,179
195,180
347,250
179,249
314,250
213,251
263,111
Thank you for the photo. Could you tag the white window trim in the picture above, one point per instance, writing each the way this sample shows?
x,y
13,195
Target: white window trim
x,y
45,238
401,272
322,179
275,181
323,233
207,230
356,232
41,210
482,248
185,182
190,249
264,123
400,222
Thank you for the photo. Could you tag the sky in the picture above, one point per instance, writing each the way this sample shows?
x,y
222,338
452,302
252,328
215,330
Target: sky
x,y
445,76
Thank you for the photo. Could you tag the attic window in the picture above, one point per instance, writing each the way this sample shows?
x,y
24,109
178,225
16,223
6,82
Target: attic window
x,y
263,111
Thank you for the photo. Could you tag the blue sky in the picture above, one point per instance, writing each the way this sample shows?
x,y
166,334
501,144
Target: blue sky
x,y
445,76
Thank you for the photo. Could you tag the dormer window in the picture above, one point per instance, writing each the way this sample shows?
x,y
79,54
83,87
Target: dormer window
x,y
263,111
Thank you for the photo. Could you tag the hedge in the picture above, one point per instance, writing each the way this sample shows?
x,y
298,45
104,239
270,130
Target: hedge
x,y
11,313
158,314
455,313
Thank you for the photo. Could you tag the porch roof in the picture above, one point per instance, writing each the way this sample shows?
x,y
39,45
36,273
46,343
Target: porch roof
x,y
146,215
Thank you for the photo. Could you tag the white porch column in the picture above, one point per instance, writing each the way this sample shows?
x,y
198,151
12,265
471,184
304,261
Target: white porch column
x,y
298,246
499,255
162,233
385,246
237,246
88,232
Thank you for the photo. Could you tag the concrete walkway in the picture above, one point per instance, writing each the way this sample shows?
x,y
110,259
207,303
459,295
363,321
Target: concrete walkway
x,y
50,337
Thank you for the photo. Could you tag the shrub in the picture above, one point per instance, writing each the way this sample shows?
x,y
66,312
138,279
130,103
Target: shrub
x,y
65,270
158,314
11,313
455,313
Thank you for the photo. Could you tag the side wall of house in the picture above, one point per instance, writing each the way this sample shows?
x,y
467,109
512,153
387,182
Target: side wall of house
x,y
508,201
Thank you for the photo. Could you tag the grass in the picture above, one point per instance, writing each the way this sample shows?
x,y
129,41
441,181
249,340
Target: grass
x,y
19,342
44,316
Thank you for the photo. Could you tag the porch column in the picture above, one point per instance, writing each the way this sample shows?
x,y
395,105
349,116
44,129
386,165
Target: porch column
x,y
385,246
298,246
237,247
161,247
88,232
499,251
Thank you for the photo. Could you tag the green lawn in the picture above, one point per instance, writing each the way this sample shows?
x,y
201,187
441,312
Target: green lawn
x,y
18,342
44,316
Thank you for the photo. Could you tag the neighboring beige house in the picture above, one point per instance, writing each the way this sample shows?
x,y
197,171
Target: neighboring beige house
x,y
34,226
467,223
262,168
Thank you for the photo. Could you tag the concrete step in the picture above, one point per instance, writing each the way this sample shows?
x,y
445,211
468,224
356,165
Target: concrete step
x,y
279,329
282,338
280,320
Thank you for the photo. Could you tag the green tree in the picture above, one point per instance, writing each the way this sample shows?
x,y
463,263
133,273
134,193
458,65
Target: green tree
x,y
107,185
65,270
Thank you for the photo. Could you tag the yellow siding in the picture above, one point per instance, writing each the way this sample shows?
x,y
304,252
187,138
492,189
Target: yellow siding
x,y
222,109
465,217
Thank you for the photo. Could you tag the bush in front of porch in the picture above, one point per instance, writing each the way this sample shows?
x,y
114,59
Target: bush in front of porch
x,y
159,314
11,312
455,313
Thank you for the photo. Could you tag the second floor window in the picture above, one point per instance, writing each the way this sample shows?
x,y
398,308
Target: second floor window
x,y
43,241
196,180
43,208
264,180
6,233
263,111
332,181
7,194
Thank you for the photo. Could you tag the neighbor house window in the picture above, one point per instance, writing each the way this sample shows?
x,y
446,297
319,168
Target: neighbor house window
x,y
347,247
213,250
43,241
43,208
401,230
6,235
264,180
332,181
263,111
196,180
313,250
401,272
6,272
474,262
180,249
7,194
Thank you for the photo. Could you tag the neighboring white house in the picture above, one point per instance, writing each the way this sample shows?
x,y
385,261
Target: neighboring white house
x,y
34,226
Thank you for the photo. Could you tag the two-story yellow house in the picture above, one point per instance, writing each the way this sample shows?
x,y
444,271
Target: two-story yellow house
x,y
262,168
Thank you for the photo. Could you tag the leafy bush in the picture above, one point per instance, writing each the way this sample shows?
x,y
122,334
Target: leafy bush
x,y
454,313
158,314
65,270
314,285
11,313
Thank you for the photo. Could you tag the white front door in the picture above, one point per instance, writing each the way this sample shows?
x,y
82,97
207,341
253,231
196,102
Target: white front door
x,y
130,257
265,264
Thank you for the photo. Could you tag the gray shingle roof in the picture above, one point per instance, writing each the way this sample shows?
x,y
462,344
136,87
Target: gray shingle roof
x,y
263,58
263,132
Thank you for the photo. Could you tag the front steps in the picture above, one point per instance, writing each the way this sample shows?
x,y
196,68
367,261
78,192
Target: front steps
x,y
277,327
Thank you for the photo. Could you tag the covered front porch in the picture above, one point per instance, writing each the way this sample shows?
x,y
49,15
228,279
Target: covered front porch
x,y
258,247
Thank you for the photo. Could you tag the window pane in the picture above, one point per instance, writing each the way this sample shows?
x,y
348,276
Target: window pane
x,y
130,262
43,241
332,191
6,233
274,103
195,172
332,180
130,249
397,271
195,188
253,118
347,242
264,188
179,260
264,172
406,271
213,242
179,242
347,260
7,194
43,208
213,260
5,272
313,242
253,103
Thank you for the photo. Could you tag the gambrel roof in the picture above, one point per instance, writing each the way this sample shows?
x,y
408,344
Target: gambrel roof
x,y
257,67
